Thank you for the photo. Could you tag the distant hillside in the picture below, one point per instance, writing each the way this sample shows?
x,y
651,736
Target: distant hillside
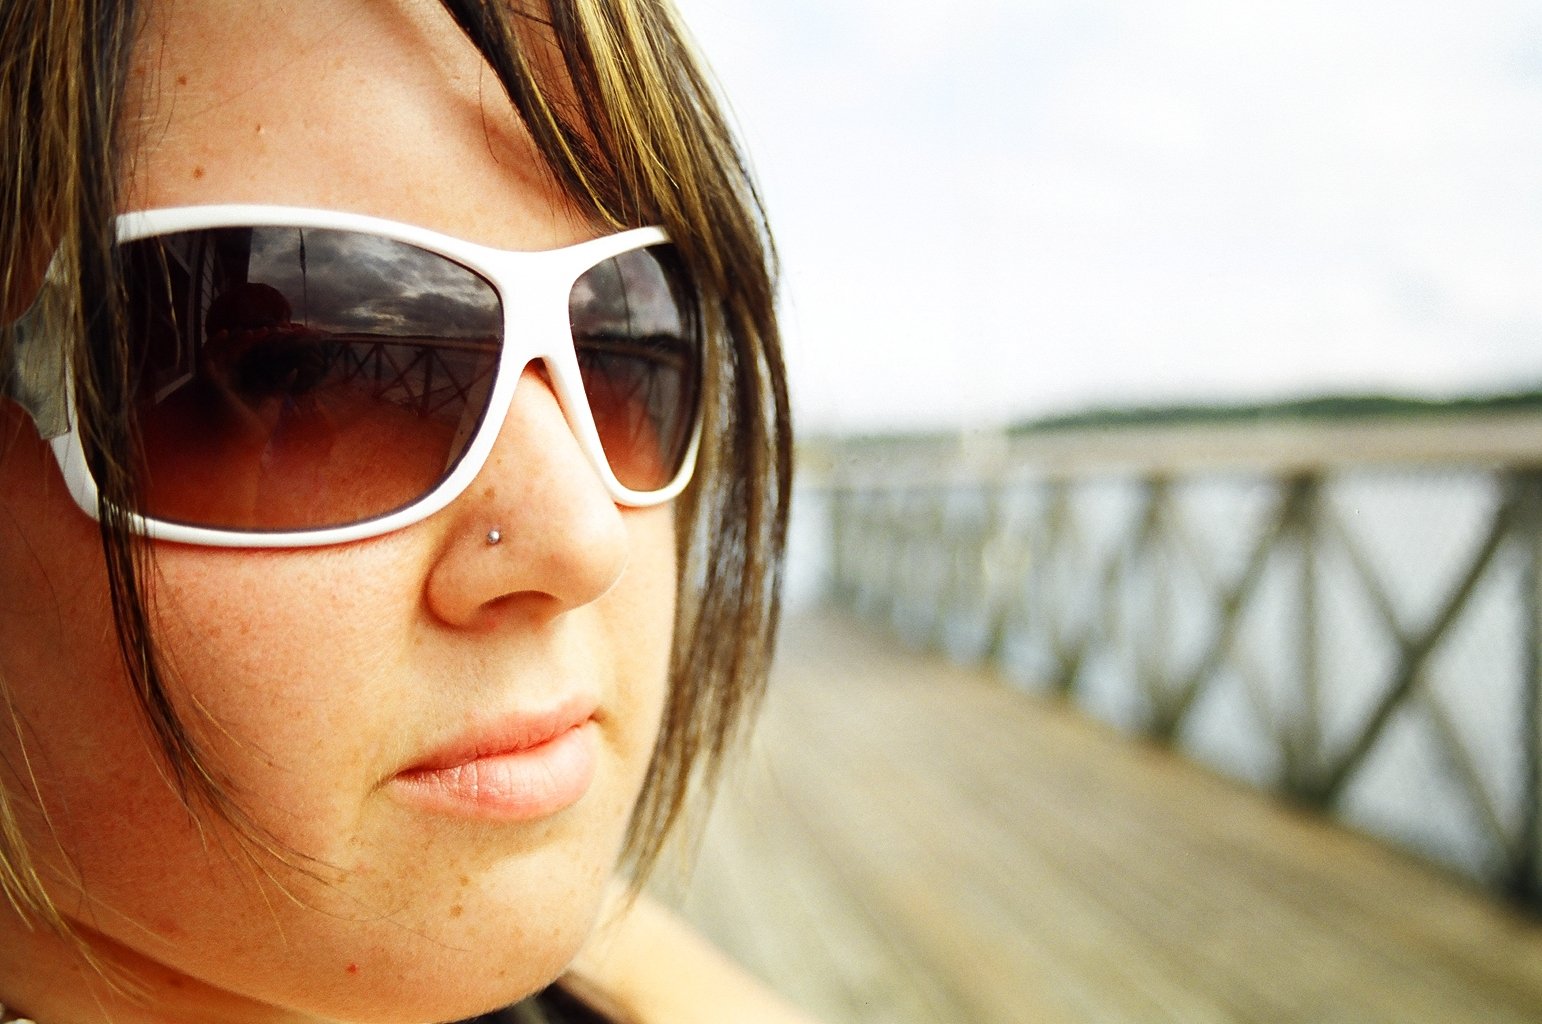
x,y
1324,407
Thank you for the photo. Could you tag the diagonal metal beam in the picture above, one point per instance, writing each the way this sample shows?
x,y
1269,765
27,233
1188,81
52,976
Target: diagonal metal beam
x,y
1233,602
1464,767
1413,651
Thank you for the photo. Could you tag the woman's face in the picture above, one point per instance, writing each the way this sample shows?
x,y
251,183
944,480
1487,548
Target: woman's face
x,y
319,677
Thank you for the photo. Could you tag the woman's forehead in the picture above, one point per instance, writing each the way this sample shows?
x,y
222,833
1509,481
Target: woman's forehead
x,y
374,106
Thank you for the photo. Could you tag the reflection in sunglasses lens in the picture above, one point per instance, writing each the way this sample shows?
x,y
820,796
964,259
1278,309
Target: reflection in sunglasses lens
x,y
636,329
302,378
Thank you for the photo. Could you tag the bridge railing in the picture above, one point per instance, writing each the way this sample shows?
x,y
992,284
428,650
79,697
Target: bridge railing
x,y
1349,613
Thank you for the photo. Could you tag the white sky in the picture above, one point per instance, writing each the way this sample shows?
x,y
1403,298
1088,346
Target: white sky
x,y
993,209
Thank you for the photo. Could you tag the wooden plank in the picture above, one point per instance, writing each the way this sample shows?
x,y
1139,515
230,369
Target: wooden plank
x,y
912,842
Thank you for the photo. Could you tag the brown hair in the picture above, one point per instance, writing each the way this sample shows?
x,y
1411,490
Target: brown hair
x,y
629,127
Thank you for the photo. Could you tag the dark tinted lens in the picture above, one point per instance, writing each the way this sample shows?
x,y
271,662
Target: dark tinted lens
x,y
637,328
303,378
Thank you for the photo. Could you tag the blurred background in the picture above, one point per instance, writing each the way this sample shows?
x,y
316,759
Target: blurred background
x,y
1165,625
994,209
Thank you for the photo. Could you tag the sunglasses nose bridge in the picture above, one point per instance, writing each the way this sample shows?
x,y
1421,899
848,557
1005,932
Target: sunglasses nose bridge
x,y
521,440
539,335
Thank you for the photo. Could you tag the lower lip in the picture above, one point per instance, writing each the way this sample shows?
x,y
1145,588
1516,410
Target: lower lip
x,y
521,785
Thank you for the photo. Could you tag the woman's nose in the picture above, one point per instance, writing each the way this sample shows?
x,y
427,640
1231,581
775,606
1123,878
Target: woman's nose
x,y
536,533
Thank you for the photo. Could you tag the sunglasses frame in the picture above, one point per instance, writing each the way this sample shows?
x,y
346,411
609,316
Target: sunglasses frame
x,y
533,287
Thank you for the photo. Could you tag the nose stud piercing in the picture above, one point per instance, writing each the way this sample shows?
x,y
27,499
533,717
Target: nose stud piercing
x,y
494,535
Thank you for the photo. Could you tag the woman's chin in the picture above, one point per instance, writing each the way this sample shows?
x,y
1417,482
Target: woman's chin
x,y
477,959
445,984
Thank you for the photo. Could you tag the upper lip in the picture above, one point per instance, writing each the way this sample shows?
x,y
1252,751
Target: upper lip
x,y
507,734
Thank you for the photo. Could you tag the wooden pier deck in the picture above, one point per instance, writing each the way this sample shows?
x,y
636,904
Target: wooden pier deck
x,y
909,842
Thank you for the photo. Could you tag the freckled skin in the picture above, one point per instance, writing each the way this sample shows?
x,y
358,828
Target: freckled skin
x,y
314,675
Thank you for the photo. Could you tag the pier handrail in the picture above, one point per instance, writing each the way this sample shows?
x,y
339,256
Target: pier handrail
x,y
1083,561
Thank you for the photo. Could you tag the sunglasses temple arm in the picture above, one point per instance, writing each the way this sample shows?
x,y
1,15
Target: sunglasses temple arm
x,y
36,378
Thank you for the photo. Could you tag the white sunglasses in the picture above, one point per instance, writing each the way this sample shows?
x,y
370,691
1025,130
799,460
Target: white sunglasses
x,y
310,377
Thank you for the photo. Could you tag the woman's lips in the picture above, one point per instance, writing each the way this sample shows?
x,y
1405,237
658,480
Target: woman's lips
x,y
520,768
